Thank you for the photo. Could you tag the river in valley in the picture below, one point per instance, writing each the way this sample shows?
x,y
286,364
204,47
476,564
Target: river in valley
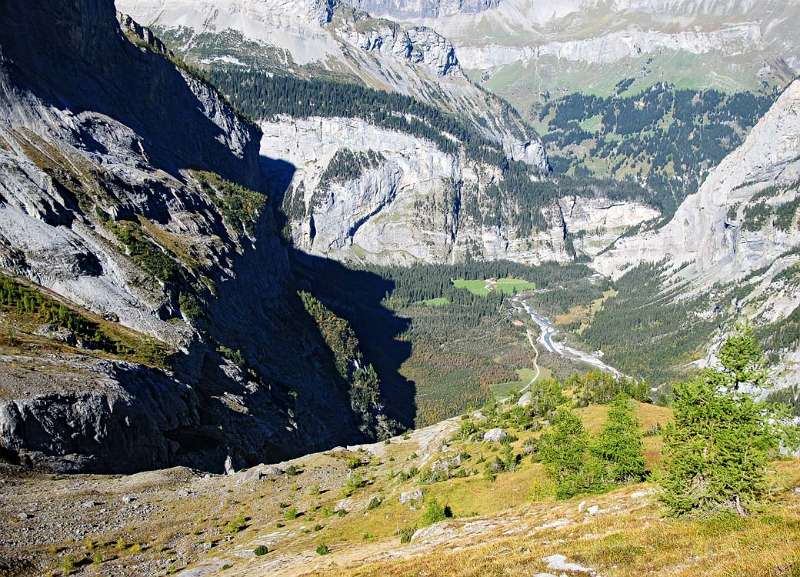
x,y
547,334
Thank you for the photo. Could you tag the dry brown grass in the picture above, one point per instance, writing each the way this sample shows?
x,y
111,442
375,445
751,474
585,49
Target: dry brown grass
x,y
630,538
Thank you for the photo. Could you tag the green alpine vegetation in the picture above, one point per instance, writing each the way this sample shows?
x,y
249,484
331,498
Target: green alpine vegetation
x,y
357,376
564,449
599,388
506,286
240,207
347,165
646,331
580,463
619,445
29,307
721,440
666,136
144,252
161,264
266,95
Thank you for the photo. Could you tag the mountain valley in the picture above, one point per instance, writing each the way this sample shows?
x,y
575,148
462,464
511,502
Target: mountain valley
x,y
307,287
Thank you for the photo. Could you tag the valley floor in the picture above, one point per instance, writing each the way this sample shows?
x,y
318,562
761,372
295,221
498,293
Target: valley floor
x,y
339,513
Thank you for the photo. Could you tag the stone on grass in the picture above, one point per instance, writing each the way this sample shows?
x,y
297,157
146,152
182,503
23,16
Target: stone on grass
x,y
560,563
411,497
494,435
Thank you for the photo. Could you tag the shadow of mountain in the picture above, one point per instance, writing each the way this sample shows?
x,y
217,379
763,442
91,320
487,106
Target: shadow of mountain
x,y
77,59
263,383
356,295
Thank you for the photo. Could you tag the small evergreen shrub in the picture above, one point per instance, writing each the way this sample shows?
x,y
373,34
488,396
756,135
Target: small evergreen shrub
x,y
434,512
619,445
235,525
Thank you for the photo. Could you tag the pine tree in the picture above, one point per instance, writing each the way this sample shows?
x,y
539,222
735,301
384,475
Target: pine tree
x,y
743,358
619,445
564,451
718,446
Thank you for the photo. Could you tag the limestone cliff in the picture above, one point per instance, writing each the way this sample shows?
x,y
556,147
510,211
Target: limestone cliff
x,y
134,195
416,203
740,229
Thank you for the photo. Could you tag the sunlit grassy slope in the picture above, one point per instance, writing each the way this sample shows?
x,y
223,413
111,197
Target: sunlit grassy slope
x,y
501,527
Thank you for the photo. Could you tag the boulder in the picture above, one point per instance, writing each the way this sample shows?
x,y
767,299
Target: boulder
x,y
560,563
260,472
494,435
411,497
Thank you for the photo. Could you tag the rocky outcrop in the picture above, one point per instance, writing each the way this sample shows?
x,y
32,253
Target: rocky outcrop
x,y
94,415
416,44
131,189
142,35
422,204
596,223
617,46
424,9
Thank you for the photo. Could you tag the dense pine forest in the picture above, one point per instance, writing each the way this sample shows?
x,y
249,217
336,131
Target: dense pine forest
x,y
263,96
667,137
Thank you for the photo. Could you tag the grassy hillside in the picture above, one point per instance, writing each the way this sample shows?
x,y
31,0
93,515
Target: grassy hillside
x,y
339,513
33,319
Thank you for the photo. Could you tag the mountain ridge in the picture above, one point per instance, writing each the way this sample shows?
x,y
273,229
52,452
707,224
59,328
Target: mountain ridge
x,y
159,223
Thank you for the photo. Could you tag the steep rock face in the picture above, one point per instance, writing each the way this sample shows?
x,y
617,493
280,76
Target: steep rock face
x,y
707,230
290,38
305,30
132,189
96,415
616,46
416,44
595,223
415,203
424,8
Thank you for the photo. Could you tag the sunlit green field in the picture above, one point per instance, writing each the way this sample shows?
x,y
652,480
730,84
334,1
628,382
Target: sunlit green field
x,y
507,286
503,390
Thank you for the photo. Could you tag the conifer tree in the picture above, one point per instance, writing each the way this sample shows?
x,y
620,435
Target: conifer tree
x,y
619,445
718,446
564,451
